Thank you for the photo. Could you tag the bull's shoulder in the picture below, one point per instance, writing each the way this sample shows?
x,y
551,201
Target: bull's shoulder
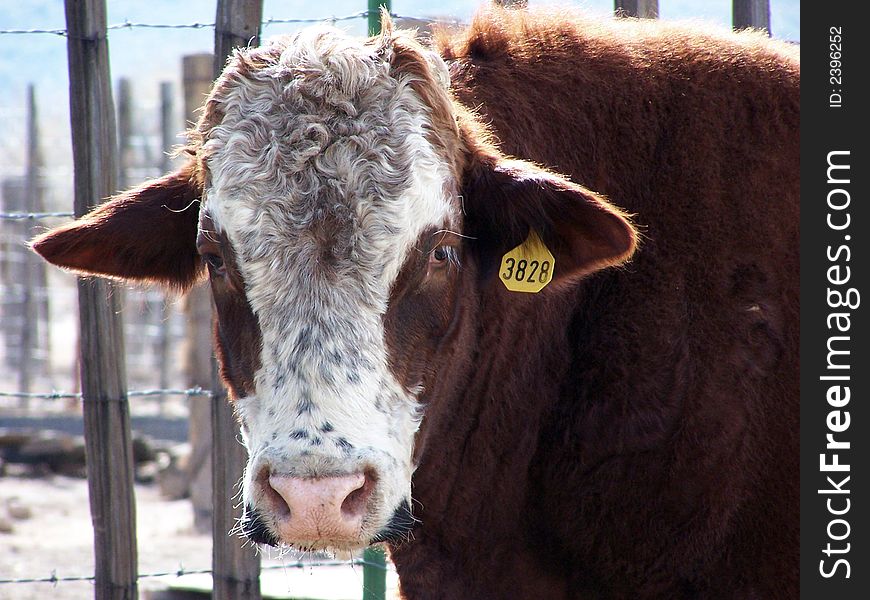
x,y
624,105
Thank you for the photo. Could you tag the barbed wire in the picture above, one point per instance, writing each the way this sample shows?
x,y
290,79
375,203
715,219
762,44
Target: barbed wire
x,y
270,21
181,571
190,393
15,216
60,32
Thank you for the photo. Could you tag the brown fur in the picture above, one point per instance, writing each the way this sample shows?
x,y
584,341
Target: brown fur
x,y
143,234
237,336
636,438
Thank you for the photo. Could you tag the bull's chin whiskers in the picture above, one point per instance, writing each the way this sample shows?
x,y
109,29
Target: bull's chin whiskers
x,y
283,550
238,528
239,487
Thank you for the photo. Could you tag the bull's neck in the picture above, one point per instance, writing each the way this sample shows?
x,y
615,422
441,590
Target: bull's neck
x,y
481,427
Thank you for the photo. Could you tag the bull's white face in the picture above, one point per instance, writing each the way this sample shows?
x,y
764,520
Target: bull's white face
x,y
321,181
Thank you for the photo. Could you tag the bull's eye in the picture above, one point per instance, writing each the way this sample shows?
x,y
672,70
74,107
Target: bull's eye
x,y
215,262
440,254
441,257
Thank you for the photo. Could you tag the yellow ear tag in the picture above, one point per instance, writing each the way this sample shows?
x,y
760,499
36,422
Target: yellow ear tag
x,y
528,267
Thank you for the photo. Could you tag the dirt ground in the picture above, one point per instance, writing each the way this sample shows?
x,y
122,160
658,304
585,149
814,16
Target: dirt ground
x,y
51,532
58,536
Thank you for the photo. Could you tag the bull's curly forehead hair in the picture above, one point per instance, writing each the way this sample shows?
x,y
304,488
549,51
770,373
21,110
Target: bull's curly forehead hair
x,y
339,71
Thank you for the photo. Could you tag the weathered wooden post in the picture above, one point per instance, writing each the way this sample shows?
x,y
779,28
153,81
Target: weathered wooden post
x,y
38,268
167,140
125,132
168,126
751,13
197,71
108,450
134,301
236,569
31,270
645,9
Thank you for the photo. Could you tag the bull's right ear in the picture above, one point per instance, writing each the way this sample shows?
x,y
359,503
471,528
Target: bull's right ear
x,y
505,199
147,234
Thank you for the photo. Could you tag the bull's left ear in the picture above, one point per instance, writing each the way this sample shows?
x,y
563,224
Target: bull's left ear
x,y
505,199
147,234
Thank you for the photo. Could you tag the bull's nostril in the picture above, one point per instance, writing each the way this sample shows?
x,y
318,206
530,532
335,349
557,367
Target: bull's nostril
x,y
274,501
356,502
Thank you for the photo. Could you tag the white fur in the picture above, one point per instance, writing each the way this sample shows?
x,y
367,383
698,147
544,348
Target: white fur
x,y
325,142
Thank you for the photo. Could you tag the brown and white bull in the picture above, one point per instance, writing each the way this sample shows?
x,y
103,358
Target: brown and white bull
x,y
625,432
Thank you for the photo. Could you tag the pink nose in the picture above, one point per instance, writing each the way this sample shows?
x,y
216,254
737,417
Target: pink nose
x,y
325,510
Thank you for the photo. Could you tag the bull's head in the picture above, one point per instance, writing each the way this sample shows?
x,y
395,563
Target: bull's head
x,y
352,217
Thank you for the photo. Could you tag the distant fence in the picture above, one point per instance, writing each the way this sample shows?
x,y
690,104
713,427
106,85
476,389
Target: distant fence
x,y
104,391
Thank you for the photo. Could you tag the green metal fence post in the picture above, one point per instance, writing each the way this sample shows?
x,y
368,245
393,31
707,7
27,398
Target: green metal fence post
x,y
375,14
374,574
375,567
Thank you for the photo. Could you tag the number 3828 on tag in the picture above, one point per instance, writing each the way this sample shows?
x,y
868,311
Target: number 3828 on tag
x,y
528,267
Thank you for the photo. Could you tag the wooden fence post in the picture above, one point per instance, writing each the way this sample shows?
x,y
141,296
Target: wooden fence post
x,y
237,25
134,301
751,13
125,132
236,570
108,449
645,9
197,78
23,295
38,267
167,137
168,126
31,270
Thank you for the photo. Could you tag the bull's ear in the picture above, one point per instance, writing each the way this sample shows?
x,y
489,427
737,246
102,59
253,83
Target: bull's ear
x,y
146,234
506,199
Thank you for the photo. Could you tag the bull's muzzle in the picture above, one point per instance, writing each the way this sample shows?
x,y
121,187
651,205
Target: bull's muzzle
x,y
317,511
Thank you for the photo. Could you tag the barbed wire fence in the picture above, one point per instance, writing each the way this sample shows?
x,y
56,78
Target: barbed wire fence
x,y
19,216
59,395
265,23
54,579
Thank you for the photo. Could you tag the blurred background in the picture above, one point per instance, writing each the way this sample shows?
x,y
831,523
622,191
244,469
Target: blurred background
x,y
161,67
